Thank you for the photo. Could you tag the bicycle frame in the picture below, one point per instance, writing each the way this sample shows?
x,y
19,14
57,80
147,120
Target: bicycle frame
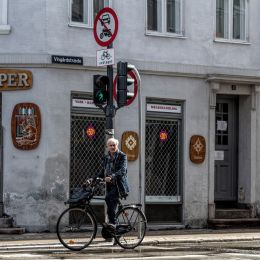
x,y
88,207
128,232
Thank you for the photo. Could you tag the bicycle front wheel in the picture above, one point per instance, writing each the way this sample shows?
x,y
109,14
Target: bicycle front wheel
x,y
131,227
76,228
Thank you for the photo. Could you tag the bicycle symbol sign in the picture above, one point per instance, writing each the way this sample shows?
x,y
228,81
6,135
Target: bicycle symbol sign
x,y
105,26
105,57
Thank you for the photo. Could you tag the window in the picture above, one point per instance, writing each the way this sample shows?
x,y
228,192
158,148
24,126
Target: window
x,y
4,27
83,12
164,17
232,19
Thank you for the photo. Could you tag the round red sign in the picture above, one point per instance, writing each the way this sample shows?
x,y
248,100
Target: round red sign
x,y
133,76
90,131
105,26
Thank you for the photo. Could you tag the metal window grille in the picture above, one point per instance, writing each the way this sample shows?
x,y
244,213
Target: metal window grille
x,y
162,166
86,152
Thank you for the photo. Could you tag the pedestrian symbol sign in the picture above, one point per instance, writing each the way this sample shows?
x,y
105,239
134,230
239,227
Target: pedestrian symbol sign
x,y
105,26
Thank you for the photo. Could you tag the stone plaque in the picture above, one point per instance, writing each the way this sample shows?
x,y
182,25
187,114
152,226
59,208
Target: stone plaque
x,y
130,145
26,126
197,149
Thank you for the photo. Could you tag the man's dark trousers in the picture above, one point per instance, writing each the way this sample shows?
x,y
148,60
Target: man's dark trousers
x,y
112,198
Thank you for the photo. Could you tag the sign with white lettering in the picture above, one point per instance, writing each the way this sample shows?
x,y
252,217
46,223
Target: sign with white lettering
x,y
15,79
164,108
66,60
105,57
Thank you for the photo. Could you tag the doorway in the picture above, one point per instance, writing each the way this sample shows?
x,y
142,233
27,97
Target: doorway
x,y
163,161
226,150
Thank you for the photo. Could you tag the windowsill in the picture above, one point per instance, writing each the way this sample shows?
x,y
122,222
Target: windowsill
x,y
80,25
5,28
221,40
167,35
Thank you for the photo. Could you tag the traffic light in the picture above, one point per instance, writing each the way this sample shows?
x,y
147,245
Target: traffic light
x,y
100,89
122,83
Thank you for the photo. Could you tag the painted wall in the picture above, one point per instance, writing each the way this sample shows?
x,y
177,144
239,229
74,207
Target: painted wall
x,y
36,182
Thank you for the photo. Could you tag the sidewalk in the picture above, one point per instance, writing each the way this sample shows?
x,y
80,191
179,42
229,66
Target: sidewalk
x,y
159,237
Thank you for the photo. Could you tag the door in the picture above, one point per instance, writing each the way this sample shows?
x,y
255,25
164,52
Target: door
x,y
87,145
226,149
162,169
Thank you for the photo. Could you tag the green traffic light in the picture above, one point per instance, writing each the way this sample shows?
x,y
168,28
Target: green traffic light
x,y
101,96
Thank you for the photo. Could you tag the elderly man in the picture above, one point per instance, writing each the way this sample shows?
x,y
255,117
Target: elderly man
x,y
115,174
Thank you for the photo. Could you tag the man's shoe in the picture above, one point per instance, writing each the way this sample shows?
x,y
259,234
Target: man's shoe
x,y
111,226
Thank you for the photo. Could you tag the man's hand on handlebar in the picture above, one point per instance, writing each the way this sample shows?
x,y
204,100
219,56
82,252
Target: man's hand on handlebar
x,y
93,181
108,179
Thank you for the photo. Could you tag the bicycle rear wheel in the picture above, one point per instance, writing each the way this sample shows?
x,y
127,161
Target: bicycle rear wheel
x,y
76,228
131,227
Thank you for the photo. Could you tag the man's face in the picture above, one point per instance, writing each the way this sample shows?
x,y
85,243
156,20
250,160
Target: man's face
x,y
112,147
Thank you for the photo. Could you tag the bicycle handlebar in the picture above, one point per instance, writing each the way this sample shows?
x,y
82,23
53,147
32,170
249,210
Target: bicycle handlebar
x,y
94,182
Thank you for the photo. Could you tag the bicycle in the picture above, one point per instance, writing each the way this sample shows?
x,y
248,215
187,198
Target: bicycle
x,y
77,225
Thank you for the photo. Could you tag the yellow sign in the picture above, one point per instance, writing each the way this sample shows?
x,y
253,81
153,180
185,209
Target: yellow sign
x,y
15,79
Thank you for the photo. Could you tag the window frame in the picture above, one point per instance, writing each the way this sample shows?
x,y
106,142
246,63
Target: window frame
x,y
90,22
5,28
230,38
163,22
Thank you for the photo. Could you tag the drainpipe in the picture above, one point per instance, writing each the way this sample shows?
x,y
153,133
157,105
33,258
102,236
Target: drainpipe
x,y
141,200
1,174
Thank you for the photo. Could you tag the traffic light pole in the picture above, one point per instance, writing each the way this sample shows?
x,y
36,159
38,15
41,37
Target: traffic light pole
x,y
110,108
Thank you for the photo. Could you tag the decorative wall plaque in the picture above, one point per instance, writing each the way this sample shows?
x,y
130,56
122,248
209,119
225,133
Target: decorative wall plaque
x,y
90,131
163,135
197,149
130,145
26,126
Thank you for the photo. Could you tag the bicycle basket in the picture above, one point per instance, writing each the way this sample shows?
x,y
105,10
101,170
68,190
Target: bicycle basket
x,y
80,195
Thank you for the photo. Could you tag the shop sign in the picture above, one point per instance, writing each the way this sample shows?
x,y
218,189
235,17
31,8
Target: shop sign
x,y
86,103
130,145
197,149
15,79
26,126
164,108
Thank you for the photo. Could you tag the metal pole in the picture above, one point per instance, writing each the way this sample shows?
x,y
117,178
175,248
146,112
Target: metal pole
x,y
110,108
110,113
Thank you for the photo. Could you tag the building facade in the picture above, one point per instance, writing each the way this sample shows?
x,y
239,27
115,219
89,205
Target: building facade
x,y
200,81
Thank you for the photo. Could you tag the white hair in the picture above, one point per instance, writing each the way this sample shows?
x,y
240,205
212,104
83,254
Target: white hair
x,y
110,140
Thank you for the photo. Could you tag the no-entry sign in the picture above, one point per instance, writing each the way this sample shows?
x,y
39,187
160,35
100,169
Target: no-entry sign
x,y
105,26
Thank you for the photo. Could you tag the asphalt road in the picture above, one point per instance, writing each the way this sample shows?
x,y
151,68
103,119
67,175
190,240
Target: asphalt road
x,y
52,249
